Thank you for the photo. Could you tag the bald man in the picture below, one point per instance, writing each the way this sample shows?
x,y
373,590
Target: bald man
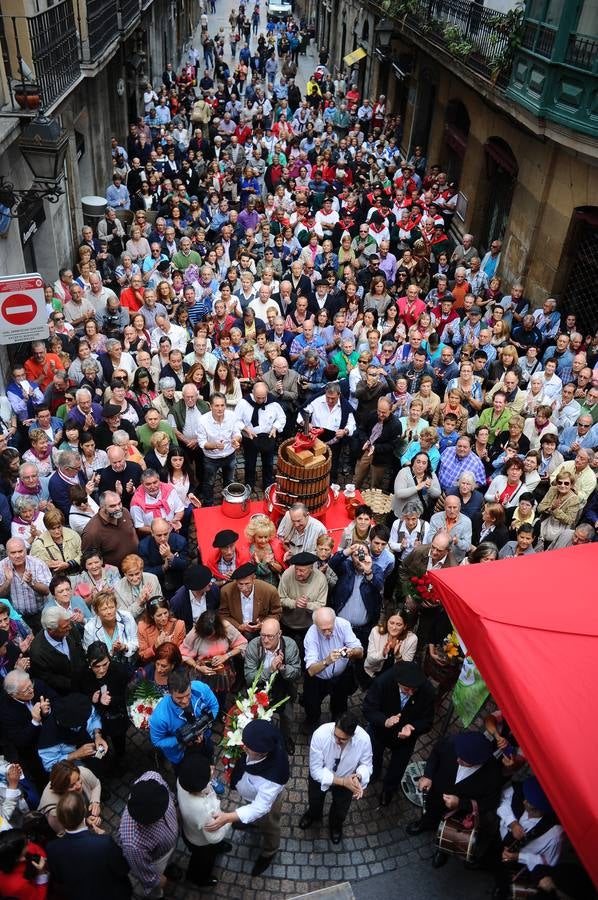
x,y
330,647
120,476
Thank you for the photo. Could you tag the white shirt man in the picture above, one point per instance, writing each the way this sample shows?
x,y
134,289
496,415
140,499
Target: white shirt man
x,y
175,333
329,757
327,412
271,417
221,432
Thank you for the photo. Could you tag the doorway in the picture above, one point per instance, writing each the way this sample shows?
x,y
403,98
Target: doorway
x,y
579,268
502,170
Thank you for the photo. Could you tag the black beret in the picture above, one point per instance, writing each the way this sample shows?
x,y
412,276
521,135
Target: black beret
x,y
244,571
197,577
148,801
303,559
225,538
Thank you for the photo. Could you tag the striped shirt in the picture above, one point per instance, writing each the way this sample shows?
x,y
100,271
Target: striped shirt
x,y
143,845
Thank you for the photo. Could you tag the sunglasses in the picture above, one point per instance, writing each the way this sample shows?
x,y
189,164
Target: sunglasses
x,y
560,481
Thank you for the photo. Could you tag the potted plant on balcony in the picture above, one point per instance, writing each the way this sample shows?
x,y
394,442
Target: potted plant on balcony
x,y
27,95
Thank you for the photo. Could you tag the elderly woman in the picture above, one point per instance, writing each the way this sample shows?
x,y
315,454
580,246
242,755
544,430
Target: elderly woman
x,y
427,396
15,625
416,481
513,435
95,574
136,586
560,507
425,443
105,683
248,369
408,531
391,641
40,453
265,549
208,649
137,246
493,528
472,500
58,547
158,626
61,594
115,627
28,520
67,776
505,489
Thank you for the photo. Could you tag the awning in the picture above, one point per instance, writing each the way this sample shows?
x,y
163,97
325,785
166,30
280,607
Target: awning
x,y
502,157
531,625
456,139
351,58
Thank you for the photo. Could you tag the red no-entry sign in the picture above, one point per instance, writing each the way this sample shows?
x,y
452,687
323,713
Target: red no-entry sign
x,y
19,309
23,314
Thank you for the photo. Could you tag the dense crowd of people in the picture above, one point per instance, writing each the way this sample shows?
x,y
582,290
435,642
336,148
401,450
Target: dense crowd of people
x,y
268,253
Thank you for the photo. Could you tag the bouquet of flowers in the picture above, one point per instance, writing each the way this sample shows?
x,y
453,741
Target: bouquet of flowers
x,y
143,700
255,705
419,592
452,646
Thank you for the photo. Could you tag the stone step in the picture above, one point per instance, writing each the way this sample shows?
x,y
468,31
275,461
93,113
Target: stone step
x,y
334,892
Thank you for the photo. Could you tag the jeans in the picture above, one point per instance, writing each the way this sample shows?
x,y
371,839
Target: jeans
x,y
226,465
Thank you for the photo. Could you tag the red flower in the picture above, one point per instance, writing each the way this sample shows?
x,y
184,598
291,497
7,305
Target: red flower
x,y
414,580
149,710
262,698
140,708
254,708
225,760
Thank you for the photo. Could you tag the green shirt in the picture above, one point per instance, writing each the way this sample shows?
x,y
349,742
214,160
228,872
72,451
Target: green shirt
x,y
493,424
144,435
182,262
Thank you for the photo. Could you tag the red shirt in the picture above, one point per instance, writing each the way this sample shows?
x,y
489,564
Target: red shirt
x,y
43,374
133,300
410,313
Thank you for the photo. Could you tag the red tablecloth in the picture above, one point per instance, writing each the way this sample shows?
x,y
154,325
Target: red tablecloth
x,y
210,520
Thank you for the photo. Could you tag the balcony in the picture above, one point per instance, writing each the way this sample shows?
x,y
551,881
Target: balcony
x,y
129,12
477,36
98,28
555,73
41,56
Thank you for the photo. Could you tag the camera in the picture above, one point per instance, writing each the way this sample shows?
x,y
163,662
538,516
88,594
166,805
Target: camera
x,y
188,733
361,554
344,652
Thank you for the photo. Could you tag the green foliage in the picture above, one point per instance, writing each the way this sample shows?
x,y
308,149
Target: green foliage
x,y
456,44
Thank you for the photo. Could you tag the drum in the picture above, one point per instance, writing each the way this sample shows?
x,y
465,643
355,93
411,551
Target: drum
x,y
456,838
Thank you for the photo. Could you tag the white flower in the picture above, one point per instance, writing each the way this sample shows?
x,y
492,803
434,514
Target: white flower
x,y
234,739
267,714
244,720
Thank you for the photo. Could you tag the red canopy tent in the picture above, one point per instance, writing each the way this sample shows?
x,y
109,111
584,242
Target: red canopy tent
x,y
531,625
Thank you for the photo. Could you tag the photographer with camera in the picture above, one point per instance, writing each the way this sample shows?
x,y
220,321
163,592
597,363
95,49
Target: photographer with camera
x,y
330,648
183,717
358,593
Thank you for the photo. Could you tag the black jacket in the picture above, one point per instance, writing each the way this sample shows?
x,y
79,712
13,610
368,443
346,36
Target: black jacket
x,y
180,604
483,786
108,479
18,732
383,700
89,865
384,446
56,669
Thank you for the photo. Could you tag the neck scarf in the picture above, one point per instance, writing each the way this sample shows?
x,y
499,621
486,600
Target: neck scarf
x,y
255,421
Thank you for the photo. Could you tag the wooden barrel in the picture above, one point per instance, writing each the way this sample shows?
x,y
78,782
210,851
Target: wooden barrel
x,y
298,484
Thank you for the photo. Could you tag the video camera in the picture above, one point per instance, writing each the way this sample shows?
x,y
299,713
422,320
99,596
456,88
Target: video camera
x,y
190,731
